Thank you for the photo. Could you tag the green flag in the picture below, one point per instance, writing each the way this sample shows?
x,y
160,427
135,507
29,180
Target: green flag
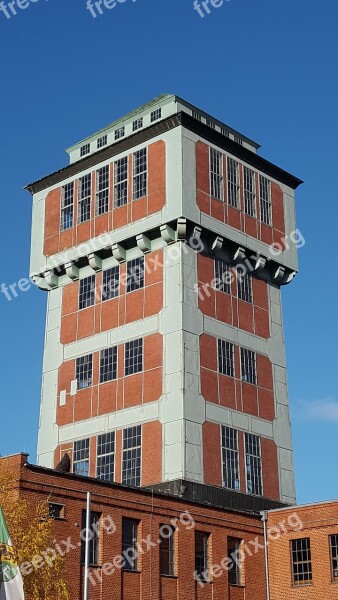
x,y
11,586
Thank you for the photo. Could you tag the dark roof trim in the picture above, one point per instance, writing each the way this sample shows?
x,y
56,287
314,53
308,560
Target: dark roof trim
x,y
159,128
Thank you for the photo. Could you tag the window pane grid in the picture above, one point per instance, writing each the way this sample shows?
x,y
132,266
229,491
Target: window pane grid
x,y
67,206
110,283
249,192
85,184
244,287
226,358
233,182
248,366
301,561
156,114
81,457
84,371
106,456
87,292
119,133
102,190
222,276
265,200
201,555
216,174
131,463
253,464
167,550
334,556
234,573
102,141
108,364
140,174
85,149
230,458
121,182
137,124
135,274
134,356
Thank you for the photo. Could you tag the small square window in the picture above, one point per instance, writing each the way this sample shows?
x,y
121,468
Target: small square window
x,y
102,141
137,124
119,133
56,511
196,115
155,115
85,149
210,124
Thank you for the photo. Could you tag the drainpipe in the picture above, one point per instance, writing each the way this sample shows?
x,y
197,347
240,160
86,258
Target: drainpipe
x,y
264,519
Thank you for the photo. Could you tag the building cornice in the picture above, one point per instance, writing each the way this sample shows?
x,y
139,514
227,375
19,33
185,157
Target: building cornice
x,y
145,135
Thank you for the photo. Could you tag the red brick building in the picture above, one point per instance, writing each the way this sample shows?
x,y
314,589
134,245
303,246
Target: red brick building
x,y
303,559
147,545
163,247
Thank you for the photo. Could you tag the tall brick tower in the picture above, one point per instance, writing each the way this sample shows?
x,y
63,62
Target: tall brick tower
x,y
163,246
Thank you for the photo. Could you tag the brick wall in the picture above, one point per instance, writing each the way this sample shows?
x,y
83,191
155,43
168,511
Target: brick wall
x,y
235,217
56,240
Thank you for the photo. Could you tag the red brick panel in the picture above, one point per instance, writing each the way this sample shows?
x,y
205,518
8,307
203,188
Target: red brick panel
x,y
270,469
152,453
212,454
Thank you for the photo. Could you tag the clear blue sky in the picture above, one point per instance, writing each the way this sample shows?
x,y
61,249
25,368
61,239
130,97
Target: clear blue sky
x,y
265,67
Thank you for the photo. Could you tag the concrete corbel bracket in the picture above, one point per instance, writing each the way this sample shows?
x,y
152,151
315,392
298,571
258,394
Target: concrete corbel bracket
x,y
51,279
119,253
167,234
289,276
259,263
72,271
278,273
181,232
143,243
217,244
95,262
239,254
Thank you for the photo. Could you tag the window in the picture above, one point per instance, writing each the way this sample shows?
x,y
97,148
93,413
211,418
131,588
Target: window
x,y
119,133
121,182
248,366
87,292
108,364
301,561
85,192
137,124
222,276
133,357
135,274
94,535
201,555
156,114
249,192
105,460
334,556
111,282
233,183
102,190
129,544
230,458
84,371
234,547
210,124
265,199
81,457
226,358
238,139
224,132
216,174
167,550
85,149
102,141
56,511
67,206
131,459
196,115
244,286
140,174
253,464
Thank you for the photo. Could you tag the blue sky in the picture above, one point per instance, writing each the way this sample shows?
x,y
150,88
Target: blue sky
x,y
267,68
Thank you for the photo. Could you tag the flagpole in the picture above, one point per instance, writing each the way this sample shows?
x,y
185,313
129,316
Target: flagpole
x,y
87,548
